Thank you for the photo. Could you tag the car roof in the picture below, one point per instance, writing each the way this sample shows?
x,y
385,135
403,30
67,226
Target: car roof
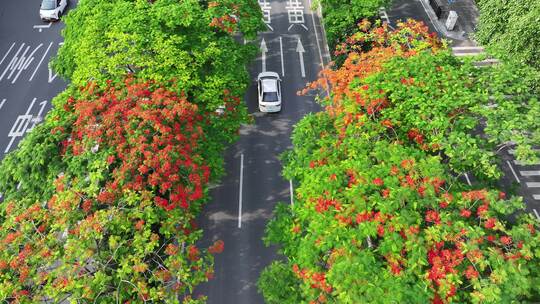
x,y
269,84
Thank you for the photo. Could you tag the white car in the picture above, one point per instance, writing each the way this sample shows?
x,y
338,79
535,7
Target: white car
x,y
51,10
269,92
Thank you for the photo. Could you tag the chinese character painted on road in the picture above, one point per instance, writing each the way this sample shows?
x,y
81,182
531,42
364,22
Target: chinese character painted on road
x,y
295,10
265,7
25,123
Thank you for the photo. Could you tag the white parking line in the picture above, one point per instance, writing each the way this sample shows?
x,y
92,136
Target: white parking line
x,y
281,50
513,172
240,190
292,192
536,213
533,185
530,173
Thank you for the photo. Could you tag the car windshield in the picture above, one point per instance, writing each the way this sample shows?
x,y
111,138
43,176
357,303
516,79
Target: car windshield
x,y
48,4
270,96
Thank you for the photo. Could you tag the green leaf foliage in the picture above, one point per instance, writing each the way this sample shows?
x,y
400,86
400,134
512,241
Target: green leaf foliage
x,y
511,30
341,17
380,213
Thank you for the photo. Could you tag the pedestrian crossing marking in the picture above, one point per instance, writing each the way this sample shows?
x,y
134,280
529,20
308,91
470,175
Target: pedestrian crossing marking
x,y
530,173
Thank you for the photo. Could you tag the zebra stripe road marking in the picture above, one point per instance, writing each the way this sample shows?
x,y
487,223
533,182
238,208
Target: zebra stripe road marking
x,y
530,173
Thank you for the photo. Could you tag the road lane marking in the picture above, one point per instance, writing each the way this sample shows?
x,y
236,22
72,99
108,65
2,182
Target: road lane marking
x,y
513,172
513,152
2,103
240,190
300,50
319,48
292,192
281,50
316,36
536,197
12,62
7,53
468,180
519,163
533,185
39,64
41,27
384,15
530,173
263,49
537,215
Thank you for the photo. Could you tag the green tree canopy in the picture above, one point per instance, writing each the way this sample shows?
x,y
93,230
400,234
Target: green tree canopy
x,y
379,215
188,41
511,29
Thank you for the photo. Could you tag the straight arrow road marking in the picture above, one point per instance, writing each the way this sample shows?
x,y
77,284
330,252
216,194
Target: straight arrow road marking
x,y
300,50
281,50
240,190
264,49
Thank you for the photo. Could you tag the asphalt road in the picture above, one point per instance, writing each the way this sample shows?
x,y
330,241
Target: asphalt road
x,y
27,86
256,154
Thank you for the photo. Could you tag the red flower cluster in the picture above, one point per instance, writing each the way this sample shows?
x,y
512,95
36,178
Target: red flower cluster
x,y
155,136
432,216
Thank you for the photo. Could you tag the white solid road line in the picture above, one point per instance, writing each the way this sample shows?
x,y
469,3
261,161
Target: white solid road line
x,y
468,180
7,53
240,190
300,50
263,49
316,36
533,185
39,64
292,192
513,172
281,50
530,173
536,197
319,46
536,213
